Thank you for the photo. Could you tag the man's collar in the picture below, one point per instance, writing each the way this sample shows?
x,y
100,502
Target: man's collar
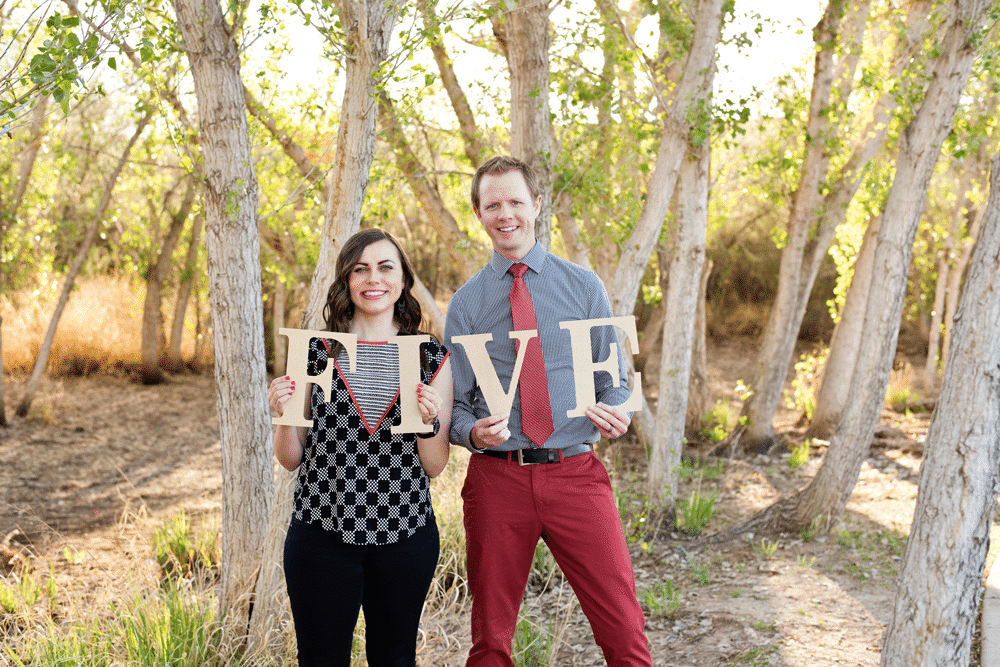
x,y
535,259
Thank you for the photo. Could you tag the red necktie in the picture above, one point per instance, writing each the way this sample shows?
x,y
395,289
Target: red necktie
x,y
536,413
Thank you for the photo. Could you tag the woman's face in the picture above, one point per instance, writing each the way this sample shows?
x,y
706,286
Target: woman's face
x,y
376,280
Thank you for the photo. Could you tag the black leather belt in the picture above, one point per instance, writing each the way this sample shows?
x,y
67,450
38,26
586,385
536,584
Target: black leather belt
x,y
539,455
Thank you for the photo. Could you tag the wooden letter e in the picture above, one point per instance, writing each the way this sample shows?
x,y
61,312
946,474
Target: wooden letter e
x,y
584,366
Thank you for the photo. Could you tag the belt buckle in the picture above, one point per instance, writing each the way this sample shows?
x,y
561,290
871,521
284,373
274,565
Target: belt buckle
x,y
520,459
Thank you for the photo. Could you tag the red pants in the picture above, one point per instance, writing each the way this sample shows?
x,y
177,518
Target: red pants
x,y
507,508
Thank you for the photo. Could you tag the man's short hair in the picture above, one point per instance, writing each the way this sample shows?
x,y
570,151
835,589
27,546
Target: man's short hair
x,y
501,164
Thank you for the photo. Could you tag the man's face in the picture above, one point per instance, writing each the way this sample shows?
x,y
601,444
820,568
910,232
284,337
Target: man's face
x,y
508,211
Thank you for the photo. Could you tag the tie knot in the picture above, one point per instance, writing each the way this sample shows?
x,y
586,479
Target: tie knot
x,y
517,269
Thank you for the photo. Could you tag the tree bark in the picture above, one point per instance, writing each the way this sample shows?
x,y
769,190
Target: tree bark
x,y
81,255
842,356
230,200
155,276
527,33
955,281
680,302
822,502
699,391
3,406
278,320
940,585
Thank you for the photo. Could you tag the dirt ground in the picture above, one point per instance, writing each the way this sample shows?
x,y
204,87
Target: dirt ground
x,y
87,477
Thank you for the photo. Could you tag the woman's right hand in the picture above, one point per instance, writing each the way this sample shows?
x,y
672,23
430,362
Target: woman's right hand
x,y
280,392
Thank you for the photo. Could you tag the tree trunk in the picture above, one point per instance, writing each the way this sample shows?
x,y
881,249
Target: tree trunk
x,y
842,356
944,263
230,200
156,275
680,302
822,502
471,141
174,358
699,391
95,222
955,281
937,600
575,248
278,323
369,25
777,344
695,84
527,33
3,405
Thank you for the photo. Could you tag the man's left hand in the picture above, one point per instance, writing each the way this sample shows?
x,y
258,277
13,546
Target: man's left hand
x,y
608,420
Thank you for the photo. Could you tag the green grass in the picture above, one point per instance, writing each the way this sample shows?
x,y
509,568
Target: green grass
x,y
182,551
698,510
532,645
661,599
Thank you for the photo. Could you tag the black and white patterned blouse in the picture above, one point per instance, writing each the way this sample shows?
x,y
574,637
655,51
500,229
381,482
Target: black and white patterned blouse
x,y
356,477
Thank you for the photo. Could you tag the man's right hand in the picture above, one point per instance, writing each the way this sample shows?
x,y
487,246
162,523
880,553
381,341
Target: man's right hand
x,y
490,432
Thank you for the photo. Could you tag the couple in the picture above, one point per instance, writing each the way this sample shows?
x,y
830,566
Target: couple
x,y
363,533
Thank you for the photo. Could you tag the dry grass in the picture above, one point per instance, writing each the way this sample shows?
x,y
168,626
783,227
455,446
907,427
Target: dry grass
x,y
100,329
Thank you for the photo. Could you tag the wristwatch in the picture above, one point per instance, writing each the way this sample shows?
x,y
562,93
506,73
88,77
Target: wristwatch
x,y
437,427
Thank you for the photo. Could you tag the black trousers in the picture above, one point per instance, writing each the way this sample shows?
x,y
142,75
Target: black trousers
x,y
329,582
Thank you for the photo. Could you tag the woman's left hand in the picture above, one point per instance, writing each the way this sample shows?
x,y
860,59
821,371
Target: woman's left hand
x,y
429,402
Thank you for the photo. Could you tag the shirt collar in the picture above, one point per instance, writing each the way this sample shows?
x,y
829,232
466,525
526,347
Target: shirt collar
x,y
535,259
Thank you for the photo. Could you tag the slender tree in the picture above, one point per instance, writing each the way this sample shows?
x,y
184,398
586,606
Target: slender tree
x,y
31,387
230,204
156,276
940,586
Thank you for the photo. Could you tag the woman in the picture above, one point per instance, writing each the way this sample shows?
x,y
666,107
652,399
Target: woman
x,y
363,534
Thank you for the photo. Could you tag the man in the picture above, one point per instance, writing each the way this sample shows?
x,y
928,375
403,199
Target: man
x,y
566,499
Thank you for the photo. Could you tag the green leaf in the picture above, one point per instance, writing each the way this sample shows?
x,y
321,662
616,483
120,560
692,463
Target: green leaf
x,y
113,64
145,54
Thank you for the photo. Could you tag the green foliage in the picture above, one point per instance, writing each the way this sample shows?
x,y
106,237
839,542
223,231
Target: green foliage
x,y
639,516
802,396
698,510
660,599
50,52
172,628
766,548
689,468
182,551
800,454
532,645
715,424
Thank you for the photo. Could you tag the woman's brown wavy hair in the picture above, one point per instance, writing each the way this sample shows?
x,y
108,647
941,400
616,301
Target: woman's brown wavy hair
x,y
339,309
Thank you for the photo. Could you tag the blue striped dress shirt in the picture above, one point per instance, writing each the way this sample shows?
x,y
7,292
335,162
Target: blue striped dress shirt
x,y
560,291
